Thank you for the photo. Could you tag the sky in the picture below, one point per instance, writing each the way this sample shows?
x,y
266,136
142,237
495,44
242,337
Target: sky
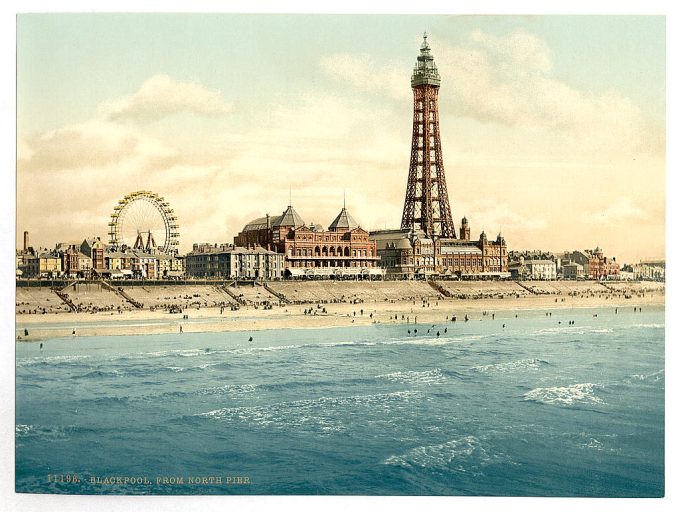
x,y
552,127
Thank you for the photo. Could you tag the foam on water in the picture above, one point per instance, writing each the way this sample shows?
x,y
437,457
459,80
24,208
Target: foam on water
x,y
511,366
324,414
66,359
583,393
413,377
462,454
653,377
572,329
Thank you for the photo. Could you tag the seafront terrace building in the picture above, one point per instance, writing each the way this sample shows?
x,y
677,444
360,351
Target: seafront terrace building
x,y
602,267
542,269
595,264
170,266
73,262
95,249
653,270
44,264
345,245
572,270
228,262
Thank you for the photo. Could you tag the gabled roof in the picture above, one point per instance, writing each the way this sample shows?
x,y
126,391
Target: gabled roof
x,y
343,221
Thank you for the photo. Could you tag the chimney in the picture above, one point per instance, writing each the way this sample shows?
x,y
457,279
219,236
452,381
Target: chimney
x,y
25,241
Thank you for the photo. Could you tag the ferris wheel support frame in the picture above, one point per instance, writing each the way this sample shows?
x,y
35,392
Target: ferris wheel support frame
x,y
160,204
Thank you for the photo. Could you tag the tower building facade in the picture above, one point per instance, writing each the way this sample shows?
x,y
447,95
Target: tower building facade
x,y
426,206
426,246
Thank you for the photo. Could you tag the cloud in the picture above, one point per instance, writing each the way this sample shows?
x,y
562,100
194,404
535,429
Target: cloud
x,y
508,81
622,210
91,144
494,216
73,147
162,96
365,74
519,51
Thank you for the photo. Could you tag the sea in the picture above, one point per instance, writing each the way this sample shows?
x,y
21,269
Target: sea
x,y
561,402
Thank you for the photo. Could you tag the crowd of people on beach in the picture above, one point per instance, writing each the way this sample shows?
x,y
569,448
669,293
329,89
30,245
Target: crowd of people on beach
x,y
48,303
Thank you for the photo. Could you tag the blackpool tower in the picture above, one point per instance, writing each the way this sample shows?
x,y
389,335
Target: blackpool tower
x,y
426,206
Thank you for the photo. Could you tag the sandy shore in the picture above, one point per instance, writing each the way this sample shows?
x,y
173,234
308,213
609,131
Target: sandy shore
x,y
249,318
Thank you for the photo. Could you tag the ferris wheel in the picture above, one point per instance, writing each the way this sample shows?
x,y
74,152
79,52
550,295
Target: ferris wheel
x,y
144,220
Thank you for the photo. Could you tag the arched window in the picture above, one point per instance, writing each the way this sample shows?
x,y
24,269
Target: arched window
x,y
347,251
332,251
317,251
324,251
339,251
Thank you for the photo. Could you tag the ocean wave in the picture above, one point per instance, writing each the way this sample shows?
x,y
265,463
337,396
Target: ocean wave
x,y
107,400
273,348
179,369
320,415
583,393
48,432
228,389
587,441
99,374
573,329
344,344
53,360
462,455
649,326
422,340
521,364
413,377
652,377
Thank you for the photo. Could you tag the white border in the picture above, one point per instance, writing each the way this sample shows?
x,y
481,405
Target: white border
x,y
10,501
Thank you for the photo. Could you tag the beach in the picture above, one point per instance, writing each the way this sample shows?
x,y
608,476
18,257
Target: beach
x,y
207,309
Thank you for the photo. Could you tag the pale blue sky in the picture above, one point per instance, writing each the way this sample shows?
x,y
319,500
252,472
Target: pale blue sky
x,y
69,63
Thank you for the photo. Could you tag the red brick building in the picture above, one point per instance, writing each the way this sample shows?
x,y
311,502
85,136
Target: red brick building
x,y
344,245
601,267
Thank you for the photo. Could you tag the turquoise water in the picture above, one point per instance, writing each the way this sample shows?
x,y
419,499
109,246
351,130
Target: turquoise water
x,y
535,408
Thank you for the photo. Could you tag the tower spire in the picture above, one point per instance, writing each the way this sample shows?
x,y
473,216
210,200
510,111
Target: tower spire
x,y
426,206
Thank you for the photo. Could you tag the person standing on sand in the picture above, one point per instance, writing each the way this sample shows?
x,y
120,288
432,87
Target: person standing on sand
x,y
180,329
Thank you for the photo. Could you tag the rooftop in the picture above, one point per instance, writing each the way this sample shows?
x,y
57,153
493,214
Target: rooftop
x,y
343,221
425,71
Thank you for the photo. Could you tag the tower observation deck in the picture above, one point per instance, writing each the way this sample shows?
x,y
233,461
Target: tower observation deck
x,y
426,206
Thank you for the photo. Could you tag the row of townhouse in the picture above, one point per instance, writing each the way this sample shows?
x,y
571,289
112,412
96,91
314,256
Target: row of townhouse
x,y
588,264
92,258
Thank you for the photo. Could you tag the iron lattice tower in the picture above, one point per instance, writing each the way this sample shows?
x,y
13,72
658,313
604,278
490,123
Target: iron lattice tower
x,y
426,205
